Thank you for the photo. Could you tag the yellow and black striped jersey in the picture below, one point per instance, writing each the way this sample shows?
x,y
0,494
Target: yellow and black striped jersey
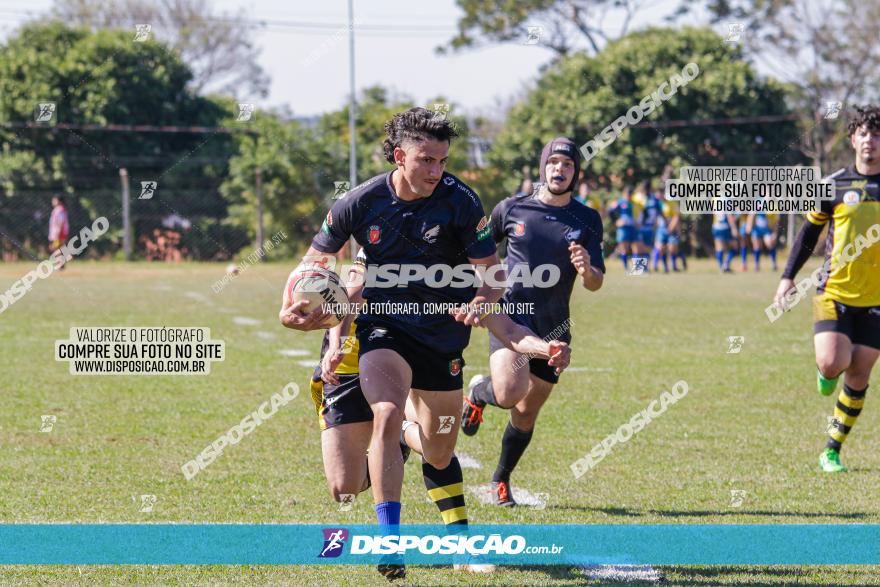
x,y
849,216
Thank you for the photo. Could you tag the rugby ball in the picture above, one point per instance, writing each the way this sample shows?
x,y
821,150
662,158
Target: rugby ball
x,y
319,286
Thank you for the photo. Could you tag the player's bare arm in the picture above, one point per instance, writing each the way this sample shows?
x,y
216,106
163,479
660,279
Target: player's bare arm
x,y
591,277
522,340
486,294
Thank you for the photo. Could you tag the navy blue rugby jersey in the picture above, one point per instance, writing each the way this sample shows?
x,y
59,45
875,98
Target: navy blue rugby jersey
x,y
538,234
446,228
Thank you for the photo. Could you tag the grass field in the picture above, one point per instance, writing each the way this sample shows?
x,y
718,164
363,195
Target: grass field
x,y
751,423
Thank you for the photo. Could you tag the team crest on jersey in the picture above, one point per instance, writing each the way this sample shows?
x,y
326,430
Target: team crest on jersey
x,y
375,234
851,198
431,235
454,367
573,235
519,229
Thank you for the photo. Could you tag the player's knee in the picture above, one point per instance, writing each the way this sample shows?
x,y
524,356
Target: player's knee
x,y
438,457
341,491
387,415
831,366
508,391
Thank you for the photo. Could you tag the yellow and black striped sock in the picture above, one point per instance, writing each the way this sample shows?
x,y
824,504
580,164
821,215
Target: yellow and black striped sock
x,y
446,489
846,412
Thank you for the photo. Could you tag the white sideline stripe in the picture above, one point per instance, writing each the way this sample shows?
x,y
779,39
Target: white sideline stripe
x,y
624,573
467,461
294,352
162,287
594,369
523,497
245,321
266,335
311,363
199,297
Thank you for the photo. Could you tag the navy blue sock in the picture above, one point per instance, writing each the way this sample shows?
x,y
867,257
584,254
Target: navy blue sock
x,y
719,256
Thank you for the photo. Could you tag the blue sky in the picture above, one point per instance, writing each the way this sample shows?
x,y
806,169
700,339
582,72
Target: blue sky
x,y
305,51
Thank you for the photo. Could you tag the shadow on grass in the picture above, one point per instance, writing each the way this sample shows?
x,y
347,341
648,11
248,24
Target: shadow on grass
x,y
700,513
770,575
780,575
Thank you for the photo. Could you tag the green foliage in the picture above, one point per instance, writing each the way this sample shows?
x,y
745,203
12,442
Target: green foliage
x,y
102,78
580,95
301,165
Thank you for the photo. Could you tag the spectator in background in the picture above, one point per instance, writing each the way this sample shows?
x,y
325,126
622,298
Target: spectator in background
x,y
59,226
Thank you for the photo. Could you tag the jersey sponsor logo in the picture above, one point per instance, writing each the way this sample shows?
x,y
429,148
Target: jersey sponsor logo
x,y
431,235
455,367
375,234
471,194
519,229
851,198
448,180
483,229
549,217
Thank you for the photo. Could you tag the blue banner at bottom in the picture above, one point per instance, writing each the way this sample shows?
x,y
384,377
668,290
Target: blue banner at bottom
x,y
173,544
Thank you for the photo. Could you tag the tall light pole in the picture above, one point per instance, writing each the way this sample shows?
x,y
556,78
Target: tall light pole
x,y
352,154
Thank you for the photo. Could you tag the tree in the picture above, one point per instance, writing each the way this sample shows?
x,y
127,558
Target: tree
x,y
580,95
301,166
218,49
102,78
283,152
826,50
564,25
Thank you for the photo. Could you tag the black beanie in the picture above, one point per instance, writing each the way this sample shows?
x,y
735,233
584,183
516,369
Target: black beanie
x,y
562,146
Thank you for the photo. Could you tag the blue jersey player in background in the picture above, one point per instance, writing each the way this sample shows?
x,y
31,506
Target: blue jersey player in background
x,y
623,213
723,231
547,227
652,211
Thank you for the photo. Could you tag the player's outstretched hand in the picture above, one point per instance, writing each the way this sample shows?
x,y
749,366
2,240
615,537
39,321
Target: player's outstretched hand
x,y
560,355
580,258
293,317
331,360
785,286
469,315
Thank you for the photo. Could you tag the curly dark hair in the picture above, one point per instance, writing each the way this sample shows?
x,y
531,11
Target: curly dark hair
x,y
416,124
865,115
